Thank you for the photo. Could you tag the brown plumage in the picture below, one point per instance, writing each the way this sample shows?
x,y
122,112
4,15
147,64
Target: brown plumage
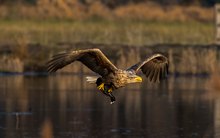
x,y
154,67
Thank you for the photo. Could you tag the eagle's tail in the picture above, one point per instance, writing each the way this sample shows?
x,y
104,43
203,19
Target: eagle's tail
x,y
92,79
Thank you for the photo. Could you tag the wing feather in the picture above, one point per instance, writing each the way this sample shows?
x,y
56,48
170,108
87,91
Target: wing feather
x,y
156,75
154,67
94,59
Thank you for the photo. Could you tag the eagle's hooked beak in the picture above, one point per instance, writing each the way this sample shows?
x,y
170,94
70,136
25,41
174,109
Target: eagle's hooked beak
x,y
138,79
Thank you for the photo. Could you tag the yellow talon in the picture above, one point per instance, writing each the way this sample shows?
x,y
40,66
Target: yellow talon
x,y
110,90
101,86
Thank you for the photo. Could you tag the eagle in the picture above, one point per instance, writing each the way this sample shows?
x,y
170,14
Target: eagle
x,y
109,77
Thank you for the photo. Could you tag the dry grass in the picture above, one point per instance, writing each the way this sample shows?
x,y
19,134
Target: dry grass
x,y
195,61
11,64
60,9
152,11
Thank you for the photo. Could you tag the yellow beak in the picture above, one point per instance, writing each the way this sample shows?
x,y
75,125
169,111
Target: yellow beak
x,y
138,79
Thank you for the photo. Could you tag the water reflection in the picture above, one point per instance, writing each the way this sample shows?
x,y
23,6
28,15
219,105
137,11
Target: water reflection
x,y
66,106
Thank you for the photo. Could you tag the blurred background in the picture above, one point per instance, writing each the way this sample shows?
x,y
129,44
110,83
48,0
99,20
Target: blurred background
x,y
36,104
133,22
33,30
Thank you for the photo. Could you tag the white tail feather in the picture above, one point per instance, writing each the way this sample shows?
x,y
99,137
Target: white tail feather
x,y
92,79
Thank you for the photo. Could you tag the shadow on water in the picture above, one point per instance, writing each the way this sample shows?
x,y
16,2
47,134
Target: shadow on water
x,y
66,106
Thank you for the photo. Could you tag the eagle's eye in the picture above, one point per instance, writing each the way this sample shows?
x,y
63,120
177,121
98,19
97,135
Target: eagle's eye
x,y
131,75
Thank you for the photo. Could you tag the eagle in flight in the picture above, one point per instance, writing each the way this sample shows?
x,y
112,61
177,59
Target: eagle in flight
x,y
109,77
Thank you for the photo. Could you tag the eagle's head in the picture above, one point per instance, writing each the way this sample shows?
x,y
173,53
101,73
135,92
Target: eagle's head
x,y
131,77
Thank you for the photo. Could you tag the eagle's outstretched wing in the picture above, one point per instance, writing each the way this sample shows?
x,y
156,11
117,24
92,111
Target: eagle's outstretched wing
x,y
94,59
155,67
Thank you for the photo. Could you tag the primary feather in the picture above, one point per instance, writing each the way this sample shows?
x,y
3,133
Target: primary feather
x,y
94,59
154,67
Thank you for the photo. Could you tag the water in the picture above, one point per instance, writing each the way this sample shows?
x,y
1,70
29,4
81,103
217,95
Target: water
x,y
63,106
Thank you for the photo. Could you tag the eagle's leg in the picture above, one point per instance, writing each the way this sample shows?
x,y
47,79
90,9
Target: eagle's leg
x,y
112,98
108,92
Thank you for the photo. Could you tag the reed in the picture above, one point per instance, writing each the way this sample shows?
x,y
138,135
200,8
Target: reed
x,y
183,59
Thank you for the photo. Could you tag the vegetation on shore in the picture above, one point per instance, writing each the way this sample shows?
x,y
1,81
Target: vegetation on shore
x,y
48,22
50,32
183,59
35,30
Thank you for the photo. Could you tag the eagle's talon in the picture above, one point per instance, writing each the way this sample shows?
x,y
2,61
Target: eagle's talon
x,y
101,86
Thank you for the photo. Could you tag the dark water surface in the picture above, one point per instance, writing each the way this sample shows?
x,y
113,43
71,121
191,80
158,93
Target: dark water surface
x,y
65,106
